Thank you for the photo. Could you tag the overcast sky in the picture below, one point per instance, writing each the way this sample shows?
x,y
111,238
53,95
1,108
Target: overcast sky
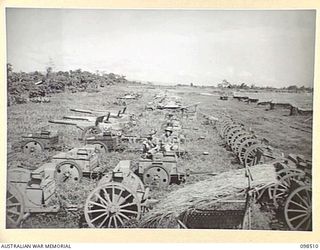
x,y
273,48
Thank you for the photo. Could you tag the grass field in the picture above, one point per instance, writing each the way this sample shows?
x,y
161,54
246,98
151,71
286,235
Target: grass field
x,y
273,125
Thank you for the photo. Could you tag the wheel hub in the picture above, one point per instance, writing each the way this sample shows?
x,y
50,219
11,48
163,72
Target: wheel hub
x,y
114,209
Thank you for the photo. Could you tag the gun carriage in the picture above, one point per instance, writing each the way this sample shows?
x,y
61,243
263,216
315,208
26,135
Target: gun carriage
x,y
30,191
37,142
71,166
118,199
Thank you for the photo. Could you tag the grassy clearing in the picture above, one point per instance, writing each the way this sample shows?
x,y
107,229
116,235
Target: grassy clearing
x,y
273,125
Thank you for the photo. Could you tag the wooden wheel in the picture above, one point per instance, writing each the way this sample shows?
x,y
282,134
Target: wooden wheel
x,y
281,189
156,176
298,209
253,155
240,140
68,171
235,136
227,128
224,126
231,132
244,146
90,131
32,147
14,207
221,124
111,206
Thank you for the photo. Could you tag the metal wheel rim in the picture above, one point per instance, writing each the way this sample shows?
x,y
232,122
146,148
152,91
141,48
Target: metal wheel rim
x,y
32,147
156,176
111,206
68,172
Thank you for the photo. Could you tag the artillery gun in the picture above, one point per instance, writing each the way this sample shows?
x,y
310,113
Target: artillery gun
x,y
30,192
119,198
161,170
96,125
71,166
37,142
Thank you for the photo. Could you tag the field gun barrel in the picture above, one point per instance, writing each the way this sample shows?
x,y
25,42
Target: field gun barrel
x,y
65,122
80,118
82,111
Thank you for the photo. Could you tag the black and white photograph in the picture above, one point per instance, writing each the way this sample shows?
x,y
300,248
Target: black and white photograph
x,y
159,118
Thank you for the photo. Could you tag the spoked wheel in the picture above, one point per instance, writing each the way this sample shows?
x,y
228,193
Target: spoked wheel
x,y
111,205
14,207
68,171
281,189
232,132
298,209
244,146
234,138
227,128
253,155
224,125
156,176
90,131
240,140
32,147
100,148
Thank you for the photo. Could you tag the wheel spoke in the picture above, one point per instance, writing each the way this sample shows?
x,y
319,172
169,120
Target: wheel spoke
x,y
98,217
109,223
308,197
106,194
297,211
124,216
115,222
128,211
13,204
119,218
101,199
125,198
298,204
302,221
128,204
119,196
297,217
112,194
302,199
13,212
104,221
12,220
